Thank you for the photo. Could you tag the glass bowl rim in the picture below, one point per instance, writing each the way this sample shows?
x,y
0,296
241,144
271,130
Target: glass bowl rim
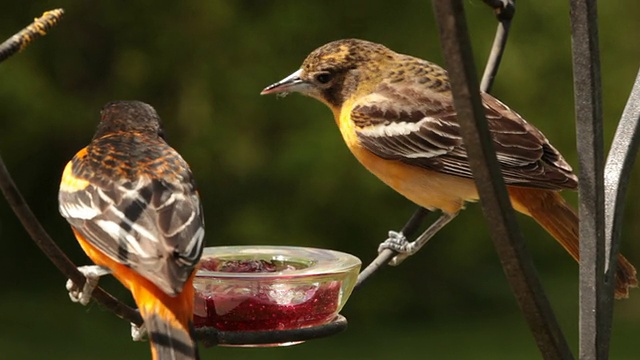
x,y
323,261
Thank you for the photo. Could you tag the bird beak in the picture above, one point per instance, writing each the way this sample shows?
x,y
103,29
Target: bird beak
x,y
289,84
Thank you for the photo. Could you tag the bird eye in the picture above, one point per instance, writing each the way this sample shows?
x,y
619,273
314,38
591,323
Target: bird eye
x,y
323,77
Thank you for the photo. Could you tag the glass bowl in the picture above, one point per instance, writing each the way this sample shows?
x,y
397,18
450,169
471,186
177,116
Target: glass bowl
x,y
257,288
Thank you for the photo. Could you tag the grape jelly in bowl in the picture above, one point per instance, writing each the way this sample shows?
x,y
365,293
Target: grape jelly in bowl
x,y
254,288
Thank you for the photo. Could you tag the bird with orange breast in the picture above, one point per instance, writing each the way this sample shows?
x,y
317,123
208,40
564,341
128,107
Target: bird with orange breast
x,y
395,113
133,206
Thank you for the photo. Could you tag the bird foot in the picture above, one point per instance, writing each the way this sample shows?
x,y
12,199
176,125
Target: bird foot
x,y
92,273
398,242
138,333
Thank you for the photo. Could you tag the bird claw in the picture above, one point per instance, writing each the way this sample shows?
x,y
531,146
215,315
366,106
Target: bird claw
x,y
397,242
138,333
92,273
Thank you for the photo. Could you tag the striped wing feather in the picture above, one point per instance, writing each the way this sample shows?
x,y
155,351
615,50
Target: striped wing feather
x,y
153,226
420,131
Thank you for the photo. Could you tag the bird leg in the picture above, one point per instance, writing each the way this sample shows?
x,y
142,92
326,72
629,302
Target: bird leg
x,y
92,273
399,243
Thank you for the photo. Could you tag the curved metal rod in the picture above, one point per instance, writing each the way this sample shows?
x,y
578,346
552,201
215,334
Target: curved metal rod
x,y
40,236
19,206
505,11
507,238
385,256
210,336
617,171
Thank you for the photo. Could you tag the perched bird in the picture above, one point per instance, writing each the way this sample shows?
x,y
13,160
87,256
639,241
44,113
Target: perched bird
x,y
132,204
396,115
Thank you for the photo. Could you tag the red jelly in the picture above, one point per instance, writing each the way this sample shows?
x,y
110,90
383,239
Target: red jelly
x,y
251,304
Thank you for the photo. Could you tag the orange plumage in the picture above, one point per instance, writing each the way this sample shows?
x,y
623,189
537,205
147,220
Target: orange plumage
x,y
133,206
395,113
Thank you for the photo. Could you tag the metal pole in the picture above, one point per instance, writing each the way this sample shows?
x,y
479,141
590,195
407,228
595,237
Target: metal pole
x,y
516,262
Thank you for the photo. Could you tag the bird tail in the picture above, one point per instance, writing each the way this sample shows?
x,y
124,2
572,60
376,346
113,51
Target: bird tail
x,y
168,321
553,213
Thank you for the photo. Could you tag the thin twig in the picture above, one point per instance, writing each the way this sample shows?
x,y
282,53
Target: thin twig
x,y
38,27
19,206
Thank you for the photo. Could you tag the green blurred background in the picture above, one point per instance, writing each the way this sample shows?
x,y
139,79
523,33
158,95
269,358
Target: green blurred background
x,y
275,171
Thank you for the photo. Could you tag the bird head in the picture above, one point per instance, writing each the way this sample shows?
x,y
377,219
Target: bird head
x,y
335,71
124,116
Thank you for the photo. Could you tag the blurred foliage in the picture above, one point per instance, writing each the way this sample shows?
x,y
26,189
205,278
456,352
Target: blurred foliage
x,y
275,171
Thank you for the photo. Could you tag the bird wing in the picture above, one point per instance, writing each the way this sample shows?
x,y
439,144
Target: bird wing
x,y
420,129
153,225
